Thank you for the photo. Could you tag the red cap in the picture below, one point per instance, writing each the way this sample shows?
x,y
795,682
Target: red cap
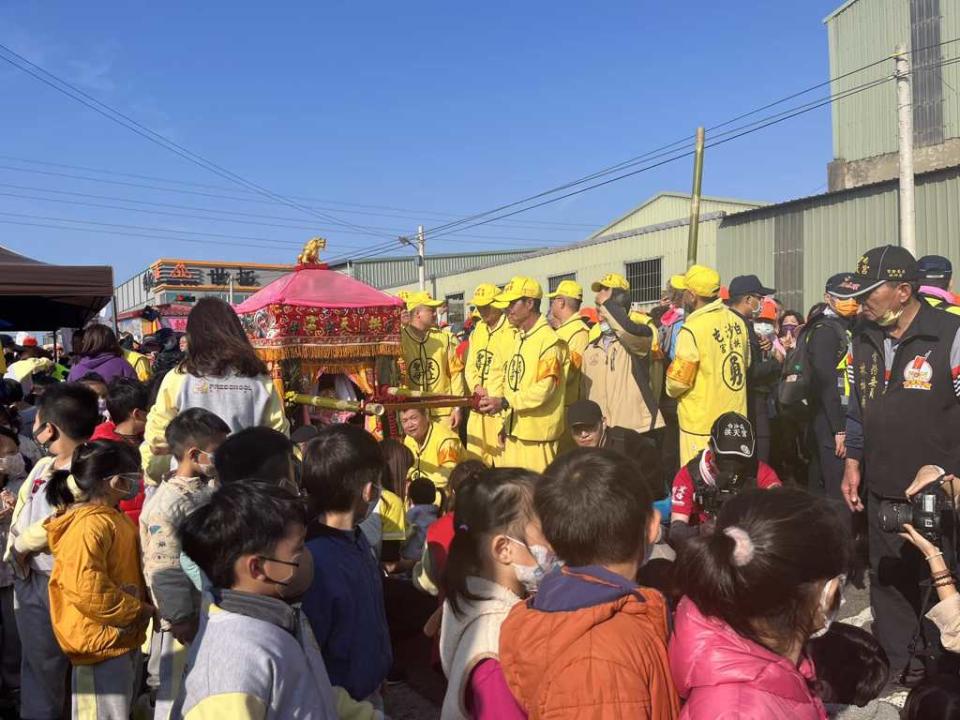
x,y
724,292
30,342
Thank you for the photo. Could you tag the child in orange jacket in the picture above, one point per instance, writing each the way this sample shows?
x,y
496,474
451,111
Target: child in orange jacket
x,y
97,604
592,643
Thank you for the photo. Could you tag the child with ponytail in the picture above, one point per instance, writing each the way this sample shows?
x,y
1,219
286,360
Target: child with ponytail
x,y
765,581
97,604
496,558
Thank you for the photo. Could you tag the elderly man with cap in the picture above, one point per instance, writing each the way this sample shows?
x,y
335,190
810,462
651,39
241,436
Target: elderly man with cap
x,y
826,339
708,375
904,413
617,363
430,355
564,318
747,295
534,383
490,347
936,272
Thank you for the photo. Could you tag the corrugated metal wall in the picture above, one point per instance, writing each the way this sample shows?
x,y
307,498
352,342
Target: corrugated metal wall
x,y
392,272
670,206
798,245
864,31
589,261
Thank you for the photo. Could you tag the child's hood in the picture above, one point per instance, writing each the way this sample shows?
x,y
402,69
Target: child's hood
x,y
494,607
80,515
706,652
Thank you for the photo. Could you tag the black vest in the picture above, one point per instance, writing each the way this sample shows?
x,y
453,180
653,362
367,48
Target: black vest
x,y
912,417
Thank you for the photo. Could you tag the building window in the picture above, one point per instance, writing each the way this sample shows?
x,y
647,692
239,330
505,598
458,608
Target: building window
x,y
646,280
455,308
554,280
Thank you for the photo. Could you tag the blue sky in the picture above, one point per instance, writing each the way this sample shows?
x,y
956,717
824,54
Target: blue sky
x,y
428,108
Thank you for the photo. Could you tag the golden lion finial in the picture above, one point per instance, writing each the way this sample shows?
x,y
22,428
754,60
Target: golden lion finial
x,y
311,251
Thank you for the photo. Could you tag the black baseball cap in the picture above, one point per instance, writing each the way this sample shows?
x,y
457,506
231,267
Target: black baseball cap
x,y
888,263
748,285
584,412
934,267
841,285
732,434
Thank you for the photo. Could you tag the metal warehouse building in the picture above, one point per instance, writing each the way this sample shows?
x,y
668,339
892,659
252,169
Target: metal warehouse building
x,y
647,245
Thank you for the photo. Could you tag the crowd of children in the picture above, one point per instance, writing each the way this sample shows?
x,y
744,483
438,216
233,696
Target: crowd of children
x,y
180,556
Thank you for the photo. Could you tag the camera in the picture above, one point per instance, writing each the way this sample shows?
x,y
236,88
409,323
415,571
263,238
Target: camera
x,y
727,486
929,512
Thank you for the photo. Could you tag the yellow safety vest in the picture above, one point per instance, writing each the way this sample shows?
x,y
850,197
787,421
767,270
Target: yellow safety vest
x,y
575,334
943,305
535,385
487,356
439,454
432,364
709,372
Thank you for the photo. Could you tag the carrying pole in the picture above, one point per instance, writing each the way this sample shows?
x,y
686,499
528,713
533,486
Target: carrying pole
x,y
908,217
421,260
695,200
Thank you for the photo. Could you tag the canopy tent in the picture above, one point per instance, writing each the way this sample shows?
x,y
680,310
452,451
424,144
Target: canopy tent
x,y
38,296
320,314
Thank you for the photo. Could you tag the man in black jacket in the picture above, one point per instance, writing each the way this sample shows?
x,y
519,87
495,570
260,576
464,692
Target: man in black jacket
x,y
904,413
746,299
826,338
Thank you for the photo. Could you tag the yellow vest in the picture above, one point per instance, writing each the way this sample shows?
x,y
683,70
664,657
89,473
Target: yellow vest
x,y
939,303
432,363
139,363
534,385
709,373
575,334
439,454
487,356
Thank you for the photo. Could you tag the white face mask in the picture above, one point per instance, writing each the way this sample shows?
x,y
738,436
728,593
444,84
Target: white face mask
x,y
530,575
830,604
13,466
763,329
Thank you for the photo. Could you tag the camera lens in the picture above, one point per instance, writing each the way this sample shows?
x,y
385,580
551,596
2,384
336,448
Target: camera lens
x,y
894,515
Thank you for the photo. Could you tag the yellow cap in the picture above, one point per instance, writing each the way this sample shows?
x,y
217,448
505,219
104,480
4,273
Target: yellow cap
x,y
416,299
701,280
568,288
611,280
486,294
520,287
676,282
403,295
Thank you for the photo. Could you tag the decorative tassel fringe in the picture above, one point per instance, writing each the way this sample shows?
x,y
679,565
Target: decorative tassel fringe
x,y
358,351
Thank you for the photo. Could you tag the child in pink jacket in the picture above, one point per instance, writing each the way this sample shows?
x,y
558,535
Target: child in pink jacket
x,y
756,590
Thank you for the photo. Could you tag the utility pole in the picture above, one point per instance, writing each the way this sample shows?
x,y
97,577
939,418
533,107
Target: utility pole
x,y
421,266
695,200
908,213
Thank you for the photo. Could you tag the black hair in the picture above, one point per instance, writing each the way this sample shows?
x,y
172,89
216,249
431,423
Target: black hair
x,y
593,510
255,452
72,407
852,667
216,343
11,391
422,491
9,418
92,466
398,459
936,698
196,427
12,435
241,519
815,310
459,475
795,313
124,395
337,465
492,501
796,541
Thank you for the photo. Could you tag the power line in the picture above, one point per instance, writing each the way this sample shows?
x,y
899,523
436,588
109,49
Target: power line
x,y
653,154
114,115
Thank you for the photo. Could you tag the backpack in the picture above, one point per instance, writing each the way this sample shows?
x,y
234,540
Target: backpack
x,y
796,379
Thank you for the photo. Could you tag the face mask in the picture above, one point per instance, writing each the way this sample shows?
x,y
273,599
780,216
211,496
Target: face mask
x,y
830,613
889,318
755,311
208,470
45,446
846,308
765,329
529,576
13,466
295,585
133,488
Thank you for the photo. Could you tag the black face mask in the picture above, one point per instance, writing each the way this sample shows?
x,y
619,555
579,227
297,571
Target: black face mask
x,y
54,434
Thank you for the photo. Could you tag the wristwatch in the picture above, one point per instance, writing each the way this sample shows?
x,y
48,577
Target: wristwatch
x,y
505,404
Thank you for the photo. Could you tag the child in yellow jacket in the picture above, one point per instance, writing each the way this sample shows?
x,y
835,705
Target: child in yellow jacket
x,y
97,604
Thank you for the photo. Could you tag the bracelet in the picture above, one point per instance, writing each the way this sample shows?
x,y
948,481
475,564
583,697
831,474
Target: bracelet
x,y
942,574
944,582
928,558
